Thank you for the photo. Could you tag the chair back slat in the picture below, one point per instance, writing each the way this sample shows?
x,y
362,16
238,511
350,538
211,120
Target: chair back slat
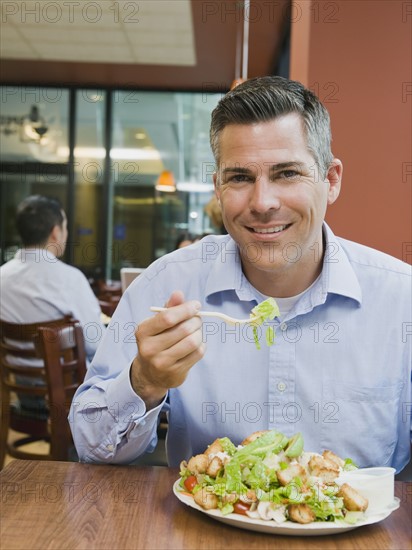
x,y
12,349
28,372
26,332
23,389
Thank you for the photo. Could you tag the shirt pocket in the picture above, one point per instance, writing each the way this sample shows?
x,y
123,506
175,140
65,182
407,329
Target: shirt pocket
x,y
365,421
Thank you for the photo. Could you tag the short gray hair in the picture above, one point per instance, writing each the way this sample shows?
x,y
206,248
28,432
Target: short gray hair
x,y
265,98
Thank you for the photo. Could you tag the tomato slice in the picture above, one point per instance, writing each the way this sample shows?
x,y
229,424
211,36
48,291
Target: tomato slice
x,y
190,483
241,508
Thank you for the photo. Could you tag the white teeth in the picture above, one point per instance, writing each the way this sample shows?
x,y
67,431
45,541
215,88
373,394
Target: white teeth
x,y
270,229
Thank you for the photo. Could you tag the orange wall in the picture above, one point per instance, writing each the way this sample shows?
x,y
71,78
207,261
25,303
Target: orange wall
x,y
356,55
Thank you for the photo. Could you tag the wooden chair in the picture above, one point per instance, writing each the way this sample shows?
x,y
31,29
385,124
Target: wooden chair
x,y
64,355
17,345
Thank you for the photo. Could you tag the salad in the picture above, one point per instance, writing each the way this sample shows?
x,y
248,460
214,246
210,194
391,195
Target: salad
x,y
270,477
266,310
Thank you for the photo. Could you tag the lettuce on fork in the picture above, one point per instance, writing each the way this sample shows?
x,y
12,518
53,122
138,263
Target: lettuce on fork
x,y
265,311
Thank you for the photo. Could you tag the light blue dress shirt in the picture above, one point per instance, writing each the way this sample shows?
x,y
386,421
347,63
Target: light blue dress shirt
x,y
339,371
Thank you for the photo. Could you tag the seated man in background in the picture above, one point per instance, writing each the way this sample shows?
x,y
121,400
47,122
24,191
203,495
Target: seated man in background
x,y
340,368
36,286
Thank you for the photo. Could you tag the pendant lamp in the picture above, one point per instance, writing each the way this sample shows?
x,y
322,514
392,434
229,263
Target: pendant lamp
x,y
166,182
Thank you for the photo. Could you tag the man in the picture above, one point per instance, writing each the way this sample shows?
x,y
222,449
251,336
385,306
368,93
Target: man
x,y
36,286
340,368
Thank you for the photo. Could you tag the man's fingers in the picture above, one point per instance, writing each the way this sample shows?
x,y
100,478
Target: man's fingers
x,y
169,344
176,298
170,318
178,348
163,337
171,366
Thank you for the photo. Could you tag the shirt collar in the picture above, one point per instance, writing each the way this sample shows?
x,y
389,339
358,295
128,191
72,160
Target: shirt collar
x,y
337,277
35,255
226,272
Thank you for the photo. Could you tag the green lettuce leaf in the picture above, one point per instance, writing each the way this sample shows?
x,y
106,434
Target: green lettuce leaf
x,y
265,311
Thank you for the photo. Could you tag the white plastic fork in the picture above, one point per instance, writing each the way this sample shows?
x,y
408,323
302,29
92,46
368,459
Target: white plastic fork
x,y
226,318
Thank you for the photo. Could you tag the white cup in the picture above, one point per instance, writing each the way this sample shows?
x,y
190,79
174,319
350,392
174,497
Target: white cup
x,y
375,484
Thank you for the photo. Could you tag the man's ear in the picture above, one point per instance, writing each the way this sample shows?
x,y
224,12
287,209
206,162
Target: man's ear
x,y
54,234
334,177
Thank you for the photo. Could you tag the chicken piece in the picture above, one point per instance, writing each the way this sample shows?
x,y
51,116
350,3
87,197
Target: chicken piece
x,y
214,467
214,448
253,437
353,501
325,469
249,497
292,471
206,499
330,456
230,497
301,513
198,464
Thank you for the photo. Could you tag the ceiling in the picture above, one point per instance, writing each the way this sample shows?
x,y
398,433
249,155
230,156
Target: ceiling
x,y
145,44
150,33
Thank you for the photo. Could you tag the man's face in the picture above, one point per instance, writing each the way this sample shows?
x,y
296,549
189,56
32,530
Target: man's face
x,y
273,201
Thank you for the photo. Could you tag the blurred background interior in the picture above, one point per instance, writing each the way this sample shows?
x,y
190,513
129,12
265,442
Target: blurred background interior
x,y
106,105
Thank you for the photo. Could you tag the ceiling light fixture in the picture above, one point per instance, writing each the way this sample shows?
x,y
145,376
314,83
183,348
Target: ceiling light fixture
x,y
166,182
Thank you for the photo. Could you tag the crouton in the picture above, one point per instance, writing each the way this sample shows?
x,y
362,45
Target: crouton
x,y
353,501
206,499
230,498
214,448
292,471
198,464
325,469
253,437
214,467
249,497
301,513
330,456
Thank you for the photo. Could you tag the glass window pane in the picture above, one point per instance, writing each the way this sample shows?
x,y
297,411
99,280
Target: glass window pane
x,y
33,150
34,124
17,186
153,132
90,219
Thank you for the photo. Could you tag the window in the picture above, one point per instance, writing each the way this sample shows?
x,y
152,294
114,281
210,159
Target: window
x,y
122,141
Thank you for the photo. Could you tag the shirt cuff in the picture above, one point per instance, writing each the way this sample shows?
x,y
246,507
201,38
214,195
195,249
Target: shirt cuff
x,y
126,407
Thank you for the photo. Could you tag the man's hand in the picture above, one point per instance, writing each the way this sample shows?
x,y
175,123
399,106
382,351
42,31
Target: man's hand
x,y
169,344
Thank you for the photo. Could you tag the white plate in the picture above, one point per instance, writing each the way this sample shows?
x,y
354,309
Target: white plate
x,y
288,527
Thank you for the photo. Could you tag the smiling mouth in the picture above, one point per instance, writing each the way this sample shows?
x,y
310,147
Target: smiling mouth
x,y
269,230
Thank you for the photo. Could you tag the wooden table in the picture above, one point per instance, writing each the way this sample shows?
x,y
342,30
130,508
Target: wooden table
x,y
66,505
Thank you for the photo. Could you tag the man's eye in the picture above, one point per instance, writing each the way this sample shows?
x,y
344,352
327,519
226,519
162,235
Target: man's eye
x,y
289,175
239,178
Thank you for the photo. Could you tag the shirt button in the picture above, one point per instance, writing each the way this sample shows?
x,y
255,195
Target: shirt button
x,y
109,447
283,326
281,386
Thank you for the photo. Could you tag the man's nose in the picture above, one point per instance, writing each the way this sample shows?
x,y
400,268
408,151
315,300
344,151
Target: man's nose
x,y
264,196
